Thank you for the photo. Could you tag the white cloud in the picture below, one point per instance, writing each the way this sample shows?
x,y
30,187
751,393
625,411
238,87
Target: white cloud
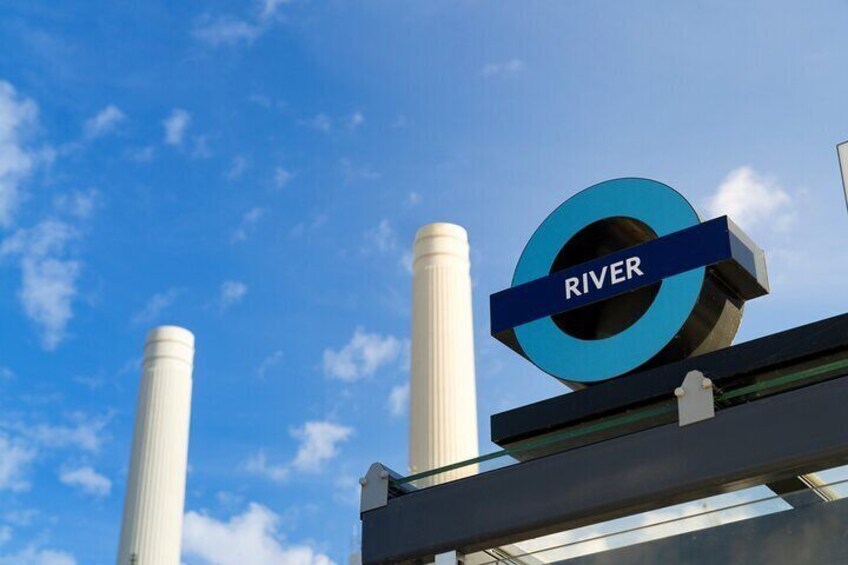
x,y
232,292
348,490
353,173
104,123
79,204
18,124
363,355
19,451
302,228
201,147
49,287
237,168
752,199
281,178
141,154
15,457
324,123
251,538
508,68
5,534
398,401
21,517
49,237
321,122
382,237
229,500
406,261
414,199
270,7
89,381
355,120
225,30
34,556
6,374
269,362
88,480
156,306
247,224
85,433
318,444
258,465
130,366
228,30
175,126
48,281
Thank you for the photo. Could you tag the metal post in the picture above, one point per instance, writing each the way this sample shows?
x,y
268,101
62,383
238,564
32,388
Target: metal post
x,y
842,152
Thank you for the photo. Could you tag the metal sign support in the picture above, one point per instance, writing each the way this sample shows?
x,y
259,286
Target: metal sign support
x,y
695,400
450,558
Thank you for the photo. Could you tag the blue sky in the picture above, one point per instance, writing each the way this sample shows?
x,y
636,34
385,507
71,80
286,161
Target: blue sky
x,y
255,171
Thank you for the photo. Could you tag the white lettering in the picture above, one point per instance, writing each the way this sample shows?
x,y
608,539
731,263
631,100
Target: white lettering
x,y
599,281
571,287
617,272
633,267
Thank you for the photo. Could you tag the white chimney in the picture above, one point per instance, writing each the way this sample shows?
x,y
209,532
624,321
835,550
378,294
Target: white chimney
x,y
155,497
443,397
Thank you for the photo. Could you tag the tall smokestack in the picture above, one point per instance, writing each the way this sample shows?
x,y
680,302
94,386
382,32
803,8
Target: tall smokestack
x,y
443,397
153,507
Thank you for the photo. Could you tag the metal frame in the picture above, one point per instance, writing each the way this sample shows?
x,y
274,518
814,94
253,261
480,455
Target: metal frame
x,y
763,441
791,346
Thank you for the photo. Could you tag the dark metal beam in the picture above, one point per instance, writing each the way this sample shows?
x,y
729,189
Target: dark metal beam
x,y
773,351
767,440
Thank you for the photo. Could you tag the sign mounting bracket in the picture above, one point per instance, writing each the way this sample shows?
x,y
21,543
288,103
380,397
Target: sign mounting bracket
x,y
695,399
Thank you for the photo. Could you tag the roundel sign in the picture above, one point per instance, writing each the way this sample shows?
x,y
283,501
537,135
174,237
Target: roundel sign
x,y
622,276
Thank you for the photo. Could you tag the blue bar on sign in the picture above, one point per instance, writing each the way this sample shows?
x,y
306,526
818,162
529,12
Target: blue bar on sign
x,y
705,244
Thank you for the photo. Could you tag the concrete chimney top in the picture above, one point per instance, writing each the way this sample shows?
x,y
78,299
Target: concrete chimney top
x,y
171,342
440,238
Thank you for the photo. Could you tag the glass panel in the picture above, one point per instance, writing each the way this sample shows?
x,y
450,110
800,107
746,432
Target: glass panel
x,y
692,516
743,389
500,458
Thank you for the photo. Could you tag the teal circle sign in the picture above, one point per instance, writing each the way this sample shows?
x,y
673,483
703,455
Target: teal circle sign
x,y
659,207
625,276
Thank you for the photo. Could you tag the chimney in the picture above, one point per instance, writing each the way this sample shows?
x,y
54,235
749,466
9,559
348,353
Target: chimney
x,y
443,398
153,508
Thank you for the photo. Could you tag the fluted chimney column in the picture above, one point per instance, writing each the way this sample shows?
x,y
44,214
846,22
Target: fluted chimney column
x,y
153,508
443,398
